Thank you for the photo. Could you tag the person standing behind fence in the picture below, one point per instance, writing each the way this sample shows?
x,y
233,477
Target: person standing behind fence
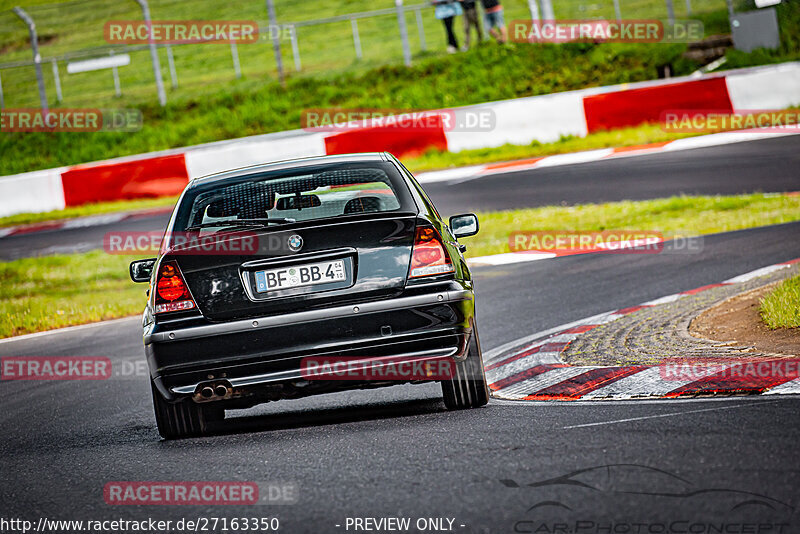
x,y
446,11
493,18
470,20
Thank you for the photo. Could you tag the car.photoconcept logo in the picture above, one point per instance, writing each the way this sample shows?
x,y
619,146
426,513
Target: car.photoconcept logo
x,y
295,242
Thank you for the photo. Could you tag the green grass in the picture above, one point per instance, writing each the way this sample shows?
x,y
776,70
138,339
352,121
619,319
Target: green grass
x,y
788,13
676,216
55,291
781,307
78,25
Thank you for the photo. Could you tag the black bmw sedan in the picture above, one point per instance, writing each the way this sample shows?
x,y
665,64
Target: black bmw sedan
x,y
304,277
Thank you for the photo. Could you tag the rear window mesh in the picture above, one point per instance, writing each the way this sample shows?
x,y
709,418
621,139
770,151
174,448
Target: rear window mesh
x,y
326,194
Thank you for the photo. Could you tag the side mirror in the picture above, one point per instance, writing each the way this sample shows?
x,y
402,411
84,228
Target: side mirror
x,y
141,270
464,225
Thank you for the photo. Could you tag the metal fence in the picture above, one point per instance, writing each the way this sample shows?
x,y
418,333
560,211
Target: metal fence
x,y
311,37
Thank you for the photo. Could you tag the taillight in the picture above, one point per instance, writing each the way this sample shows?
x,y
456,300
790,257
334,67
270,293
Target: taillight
x,y
171,292
429,256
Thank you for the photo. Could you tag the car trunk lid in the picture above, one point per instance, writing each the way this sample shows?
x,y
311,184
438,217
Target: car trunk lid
x,y
307,265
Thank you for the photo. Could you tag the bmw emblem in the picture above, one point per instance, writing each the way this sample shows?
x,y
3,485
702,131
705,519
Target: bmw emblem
x,y
295,242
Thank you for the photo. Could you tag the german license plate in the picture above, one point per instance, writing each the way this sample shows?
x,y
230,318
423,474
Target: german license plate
x,y
300,275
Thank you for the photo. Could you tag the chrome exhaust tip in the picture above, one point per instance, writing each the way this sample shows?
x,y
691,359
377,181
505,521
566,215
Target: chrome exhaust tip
x,y
220,390
207,392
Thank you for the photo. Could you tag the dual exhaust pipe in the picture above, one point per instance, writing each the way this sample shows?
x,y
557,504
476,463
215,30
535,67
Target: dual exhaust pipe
x,y
212,391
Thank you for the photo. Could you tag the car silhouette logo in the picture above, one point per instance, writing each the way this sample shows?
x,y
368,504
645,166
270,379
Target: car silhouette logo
x,y
295,242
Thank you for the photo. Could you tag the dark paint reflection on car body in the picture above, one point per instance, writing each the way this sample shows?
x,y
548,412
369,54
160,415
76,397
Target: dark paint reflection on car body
x,y
234,345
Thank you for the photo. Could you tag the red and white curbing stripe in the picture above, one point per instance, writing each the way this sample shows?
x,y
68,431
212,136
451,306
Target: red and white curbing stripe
x,y
701,141
542,118
532,369
507,258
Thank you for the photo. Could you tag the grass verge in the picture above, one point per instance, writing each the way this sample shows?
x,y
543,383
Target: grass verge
x,y
55,291
781,307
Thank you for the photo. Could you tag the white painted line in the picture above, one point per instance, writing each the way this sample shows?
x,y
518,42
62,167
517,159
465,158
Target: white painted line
x,y
94,220
755,274
575,157
664,300
723,138
448,174
787,388
671,414
611,317
636,151
509,258
67,329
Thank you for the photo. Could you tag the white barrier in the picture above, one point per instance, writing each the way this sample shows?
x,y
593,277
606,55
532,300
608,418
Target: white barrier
x,y
226,155
32,192
523,120
777,87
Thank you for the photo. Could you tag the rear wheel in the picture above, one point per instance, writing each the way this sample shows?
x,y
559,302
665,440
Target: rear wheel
x,y
184,418
467,388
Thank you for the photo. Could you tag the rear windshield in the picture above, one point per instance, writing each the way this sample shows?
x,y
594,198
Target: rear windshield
x,y
294,196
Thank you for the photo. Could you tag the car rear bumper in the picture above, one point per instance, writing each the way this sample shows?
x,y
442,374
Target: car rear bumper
x,y
268,351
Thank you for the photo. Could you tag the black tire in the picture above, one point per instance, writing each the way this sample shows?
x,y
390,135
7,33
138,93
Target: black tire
x,y
467,389
184,418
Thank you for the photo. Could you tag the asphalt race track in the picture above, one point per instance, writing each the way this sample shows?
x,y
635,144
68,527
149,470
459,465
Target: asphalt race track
x,y
767,165
634,466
